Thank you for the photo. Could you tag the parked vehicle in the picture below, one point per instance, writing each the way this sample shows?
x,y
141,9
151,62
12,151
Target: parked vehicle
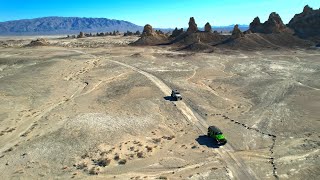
x,y
175,94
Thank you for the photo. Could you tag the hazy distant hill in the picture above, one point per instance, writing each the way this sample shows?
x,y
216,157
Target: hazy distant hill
x,y
242,27
64,25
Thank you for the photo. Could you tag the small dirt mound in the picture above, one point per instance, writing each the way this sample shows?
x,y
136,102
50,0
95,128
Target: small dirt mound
x,y
150,41
204,37
39,42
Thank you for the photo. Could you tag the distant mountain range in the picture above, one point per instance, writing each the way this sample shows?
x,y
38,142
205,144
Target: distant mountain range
x,y
64,25
229,28
73,25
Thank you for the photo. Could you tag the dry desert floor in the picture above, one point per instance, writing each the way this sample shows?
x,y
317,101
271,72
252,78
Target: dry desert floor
x,y
97,108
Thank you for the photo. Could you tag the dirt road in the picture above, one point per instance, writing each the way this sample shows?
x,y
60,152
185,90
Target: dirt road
x,y
237,167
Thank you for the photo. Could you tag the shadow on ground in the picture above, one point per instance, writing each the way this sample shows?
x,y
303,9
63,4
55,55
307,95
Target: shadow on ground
x,y
207,141
169,98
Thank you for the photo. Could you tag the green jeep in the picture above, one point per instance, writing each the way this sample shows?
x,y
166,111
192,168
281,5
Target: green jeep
x,y
216,133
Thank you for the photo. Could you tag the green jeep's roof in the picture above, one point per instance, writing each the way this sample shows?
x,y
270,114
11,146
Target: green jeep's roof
x,y
220,136
214,129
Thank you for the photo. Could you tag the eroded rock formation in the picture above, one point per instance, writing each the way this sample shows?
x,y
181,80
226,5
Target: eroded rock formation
x,y
151,37
207,27
307,23
236,33
39,42
192,26
147,30
176,32
273,25
81,35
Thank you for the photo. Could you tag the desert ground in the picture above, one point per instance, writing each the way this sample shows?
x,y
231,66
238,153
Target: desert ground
x,y
97,108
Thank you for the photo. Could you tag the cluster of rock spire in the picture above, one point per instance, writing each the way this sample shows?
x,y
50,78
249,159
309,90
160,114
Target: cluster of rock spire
x,y
306,23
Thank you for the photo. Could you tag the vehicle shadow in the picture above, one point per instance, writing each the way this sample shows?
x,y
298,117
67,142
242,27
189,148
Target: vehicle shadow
x,y
207,141
169,98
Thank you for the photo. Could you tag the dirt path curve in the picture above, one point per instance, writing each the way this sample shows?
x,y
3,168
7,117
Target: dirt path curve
x,y
236,165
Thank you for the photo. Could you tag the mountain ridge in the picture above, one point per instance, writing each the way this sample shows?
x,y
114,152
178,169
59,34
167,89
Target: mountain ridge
x,y
64,25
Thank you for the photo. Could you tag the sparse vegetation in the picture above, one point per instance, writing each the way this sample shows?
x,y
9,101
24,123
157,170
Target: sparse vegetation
x,y
122,161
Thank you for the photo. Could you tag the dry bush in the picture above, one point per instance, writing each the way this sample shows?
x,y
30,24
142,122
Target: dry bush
x,y
122,161
94,171
82,165
141,154
149,149
116,157
103,162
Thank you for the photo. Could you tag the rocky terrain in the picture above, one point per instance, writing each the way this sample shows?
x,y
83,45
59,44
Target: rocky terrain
x,y
96,108
100,107
306,24
273,25
302,32
151,37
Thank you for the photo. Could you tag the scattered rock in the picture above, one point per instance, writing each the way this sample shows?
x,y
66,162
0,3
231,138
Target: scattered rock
x,y
194,147
162,177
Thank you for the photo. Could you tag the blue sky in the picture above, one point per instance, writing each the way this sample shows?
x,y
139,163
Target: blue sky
x,y
158,13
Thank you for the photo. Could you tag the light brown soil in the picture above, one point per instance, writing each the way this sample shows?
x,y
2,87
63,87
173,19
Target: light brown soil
x,y
96,108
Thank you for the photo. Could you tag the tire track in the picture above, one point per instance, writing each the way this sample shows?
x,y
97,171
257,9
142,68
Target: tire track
x,y
272,136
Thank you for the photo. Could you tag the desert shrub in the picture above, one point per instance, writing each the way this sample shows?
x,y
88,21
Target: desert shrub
x,y
122,161
103,162
141,154
94,171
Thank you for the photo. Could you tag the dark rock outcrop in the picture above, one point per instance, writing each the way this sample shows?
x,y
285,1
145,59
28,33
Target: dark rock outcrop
x,y
255,25
192,26
207,27
151,37
307,23
39,42
176,32
147,30
81,35
236,33
273,25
